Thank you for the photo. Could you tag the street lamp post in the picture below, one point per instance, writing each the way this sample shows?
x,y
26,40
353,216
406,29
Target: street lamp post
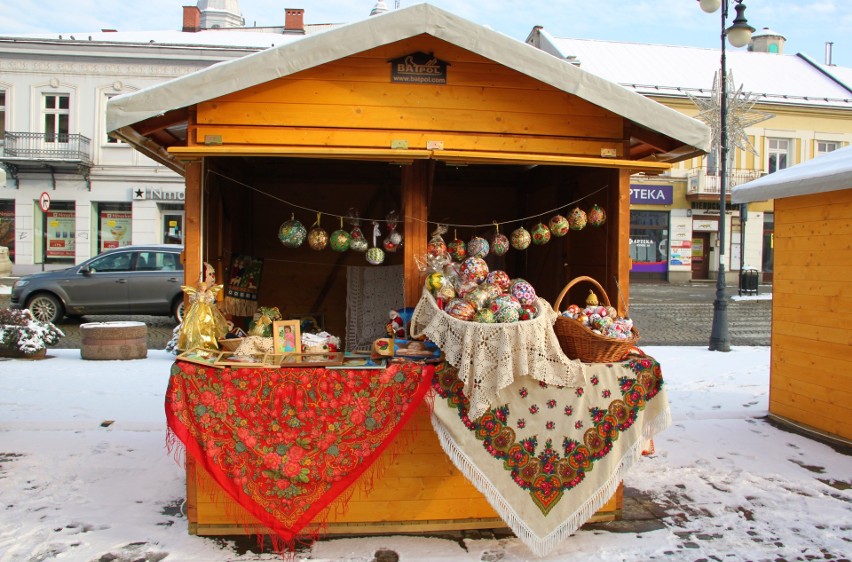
x,y
739,35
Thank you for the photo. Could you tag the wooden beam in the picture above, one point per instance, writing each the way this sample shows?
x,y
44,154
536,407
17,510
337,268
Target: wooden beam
x,y
192,256
416,184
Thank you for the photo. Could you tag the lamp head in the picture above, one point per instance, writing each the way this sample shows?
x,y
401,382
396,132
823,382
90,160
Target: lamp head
x,y
710,6
739,34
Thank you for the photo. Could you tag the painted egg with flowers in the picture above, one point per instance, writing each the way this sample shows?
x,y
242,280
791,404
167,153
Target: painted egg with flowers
x,y
477,247
577,219
558,226
540,234
521,238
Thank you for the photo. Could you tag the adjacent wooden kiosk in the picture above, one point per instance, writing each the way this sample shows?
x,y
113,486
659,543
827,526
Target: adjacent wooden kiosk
x,y
810,374
418,111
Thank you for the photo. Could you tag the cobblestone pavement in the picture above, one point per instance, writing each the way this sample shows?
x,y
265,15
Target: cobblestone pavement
x,y
664,314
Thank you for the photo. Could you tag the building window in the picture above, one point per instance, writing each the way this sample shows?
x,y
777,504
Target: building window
x,y
109,139
778,153
56,115
824,147
2,115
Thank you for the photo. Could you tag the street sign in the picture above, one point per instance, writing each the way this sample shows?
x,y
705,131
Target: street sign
x,y
44,201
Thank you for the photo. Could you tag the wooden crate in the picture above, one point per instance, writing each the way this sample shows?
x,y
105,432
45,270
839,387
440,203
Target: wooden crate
x,y
420,491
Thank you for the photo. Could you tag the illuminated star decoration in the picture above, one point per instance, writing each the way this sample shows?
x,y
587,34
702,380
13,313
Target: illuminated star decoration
x,y
739,111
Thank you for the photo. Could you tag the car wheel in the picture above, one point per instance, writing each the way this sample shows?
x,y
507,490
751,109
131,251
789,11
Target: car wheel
x,y
177,310
46,308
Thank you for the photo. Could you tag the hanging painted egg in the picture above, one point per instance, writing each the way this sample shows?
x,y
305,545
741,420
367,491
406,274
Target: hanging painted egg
x,y
375,256
461,309
499,244
357,242
457,250
474,269
540,234
499,278
392,241
524,292
436,247
521,238
558,225
597,216
318,238
292,233
477,247
577,219
339,240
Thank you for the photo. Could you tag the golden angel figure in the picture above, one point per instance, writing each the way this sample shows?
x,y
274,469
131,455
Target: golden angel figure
x,y
203,323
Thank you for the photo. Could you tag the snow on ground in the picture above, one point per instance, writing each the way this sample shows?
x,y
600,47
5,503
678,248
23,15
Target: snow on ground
x,y
728,485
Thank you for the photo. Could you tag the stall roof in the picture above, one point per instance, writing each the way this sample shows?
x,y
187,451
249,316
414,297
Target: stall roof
x,y
396,25
829,172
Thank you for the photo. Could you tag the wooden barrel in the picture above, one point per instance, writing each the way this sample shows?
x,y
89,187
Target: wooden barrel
x,y
114,340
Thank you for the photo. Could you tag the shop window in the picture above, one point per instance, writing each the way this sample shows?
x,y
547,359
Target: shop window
x,y
60,231
778,154
824,147
57,112
649,242
114,225
7,226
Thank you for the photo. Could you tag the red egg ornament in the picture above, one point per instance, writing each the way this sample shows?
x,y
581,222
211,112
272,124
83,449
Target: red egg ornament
x,y
596,216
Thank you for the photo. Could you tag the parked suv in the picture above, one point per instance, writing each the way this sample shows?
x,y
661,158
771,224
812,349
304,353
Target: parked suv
x,y
143,279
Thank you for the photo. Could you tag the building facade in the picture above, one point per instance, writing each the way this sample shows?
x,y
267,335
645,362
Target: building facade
x,y
783,109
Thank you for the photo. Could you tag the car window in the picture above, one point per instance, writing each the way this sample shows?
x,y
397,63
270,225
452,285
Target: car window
x,y
111,262
157,261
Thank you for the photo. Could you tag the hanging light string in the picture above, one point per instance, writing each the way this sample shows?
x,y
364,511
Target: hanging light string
x,y
414,219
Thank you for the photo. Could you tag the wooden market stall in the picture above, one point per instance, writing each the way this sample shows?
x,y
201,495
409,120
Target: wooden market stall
x,y
810,372
416,111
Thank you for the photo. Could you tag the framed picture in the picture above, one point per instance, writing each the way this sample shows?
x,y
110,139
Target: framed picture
x,y
360,361
286,337
313,359
200,356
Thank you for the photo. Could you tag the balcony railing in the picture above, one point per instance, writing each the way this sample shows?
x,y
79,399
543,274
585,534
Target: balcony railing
x,y
52,147
702,182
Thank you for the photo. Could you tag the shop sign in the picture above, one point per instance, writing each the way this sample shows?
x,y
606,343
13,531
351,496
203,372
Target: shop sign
x,y
418,68
641,194
705,225
115,229
158,194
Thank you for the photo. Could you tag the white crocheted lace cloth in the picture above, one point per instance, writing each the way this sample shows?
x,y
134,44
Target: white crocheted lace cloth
x,y
490,356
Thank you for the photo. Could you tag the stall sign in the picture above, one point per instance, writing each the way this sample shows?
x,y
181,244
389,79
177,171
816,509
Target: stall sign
x,y
115,229
641,194
419,68
60,234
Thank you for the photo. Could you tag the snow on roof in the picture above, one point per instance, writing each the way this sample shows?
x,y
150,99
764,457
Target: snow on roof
x,y
829,172
673,71
314,50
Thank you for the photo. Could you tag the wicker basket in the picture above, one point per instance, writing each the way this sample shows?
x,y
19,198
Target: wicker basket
x,y
580,342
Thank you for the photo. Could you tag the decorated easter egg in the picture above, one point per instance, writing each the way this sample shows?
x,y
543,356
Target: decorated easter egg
x,y
499,244
375,256
573,309
436,247
445,292
318,238
478,298
357,242
611,312
528,312
339,240
591,299
477,247
507,314
540,234
484,316
596,216
392,241
521,238
461,309
558,225
505,301
524,292
492,289
457,249
577,219
292,233
500,278
434,281
474,269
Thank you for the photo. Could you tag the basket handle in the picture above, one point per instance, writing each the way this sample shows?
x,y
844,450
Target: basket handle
x,y
574,282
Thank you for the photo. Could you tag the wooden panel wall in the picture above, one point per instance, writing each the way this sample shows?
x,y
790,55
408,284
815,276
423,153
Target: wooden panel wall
x,y
352,103
811,373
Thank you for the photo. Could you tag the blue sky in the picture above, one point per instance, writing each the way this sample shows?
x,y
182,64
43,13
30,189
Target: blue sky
x,y
807,24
